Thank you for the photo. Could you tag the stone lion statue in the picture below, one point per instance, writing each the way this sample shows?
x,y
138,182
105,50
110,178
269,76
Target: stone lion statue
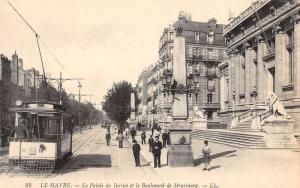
x,y
276,107
198,114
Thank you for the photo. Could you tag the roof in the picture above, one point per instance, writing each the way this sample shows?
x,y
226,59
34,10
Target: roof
x,y
197,26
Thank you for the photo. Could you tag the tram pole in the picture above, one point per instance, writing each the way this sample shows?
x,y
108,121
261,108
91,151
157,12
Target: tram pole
x,y
79,99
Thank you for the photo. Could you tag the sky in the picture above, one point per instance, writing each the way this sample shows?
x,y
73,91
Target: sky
x,y
102,41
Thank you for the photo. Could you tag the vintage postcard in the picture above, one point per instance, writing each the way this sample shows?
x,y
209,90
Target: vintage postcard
x,y
149,94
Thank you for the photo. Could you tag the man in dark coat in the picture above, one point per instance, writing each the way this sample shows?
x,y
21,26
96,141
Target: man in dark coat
x,y
21,131
156,150
136,148
164,138
143,136
133,133
107,137
150,142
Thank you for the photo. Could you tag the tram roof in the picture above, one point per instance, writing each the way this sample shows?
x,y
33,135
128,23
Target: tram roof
x,y
35,110
39,107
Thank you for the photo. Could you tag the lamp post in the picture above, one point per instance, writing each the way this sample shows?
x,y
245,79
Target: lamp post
x,y
233,103
254,94
79,99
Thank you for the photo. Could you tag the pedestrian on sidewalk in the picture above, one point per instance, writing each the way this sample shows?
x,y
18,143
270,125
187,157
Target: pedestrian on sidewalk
x,y
133,133
143,136
156,150
150,142
108,137
136,148
206,155
120,139
3,136
168,138
164,138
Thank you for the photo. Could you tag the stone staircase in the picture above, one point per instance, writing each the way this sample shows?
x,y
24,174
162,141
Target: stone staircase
x,y
298,139
231,138
244,120
244,127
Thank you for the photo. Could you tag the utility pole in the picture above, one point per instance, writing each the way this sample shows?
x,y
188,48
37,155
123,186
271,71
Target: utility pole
x,y
60,82
79,100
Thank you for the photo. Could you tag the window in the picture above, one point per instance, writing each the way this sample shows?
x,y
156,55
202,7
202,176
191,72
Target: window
x,y
210,53
171,36
291,66
53,126
210,37
209,115
272,45
197,36
290,49
209,98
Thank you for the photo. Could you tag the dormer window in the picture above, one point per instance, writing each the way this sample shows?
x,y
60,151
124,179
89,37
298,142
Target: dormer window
x,y
210,37
197,36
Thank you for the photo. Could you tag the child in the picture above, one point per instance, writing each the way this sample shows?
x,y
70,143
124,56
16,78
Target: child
x,y
206,155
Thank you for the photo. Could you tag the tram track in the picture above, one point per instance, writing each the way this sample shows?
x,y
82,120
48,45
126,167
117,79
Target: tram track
x,y
77,148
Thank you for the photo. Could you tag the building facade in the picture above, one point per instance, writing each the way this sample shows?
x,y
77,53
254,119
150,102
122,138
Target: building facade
x,y
263,58
15,84
205,48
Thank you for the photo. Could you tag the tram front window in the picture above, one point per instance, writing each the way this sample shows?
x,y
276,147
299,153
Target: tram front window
x,y
52,129
22,129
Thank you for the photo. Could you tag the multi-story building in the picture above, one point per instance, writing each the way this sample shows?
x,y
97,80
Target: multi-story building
x,y
15,84
5,76
205,48
141,89
264,58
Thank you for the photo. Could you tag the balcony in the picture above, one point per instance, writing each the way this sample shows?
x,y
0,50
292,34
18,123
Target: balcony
x,y
210,105
269,56
209,58
284,8
211,73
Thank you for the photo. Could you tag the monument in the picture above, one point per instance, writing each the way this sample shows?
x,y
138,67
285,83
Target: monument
x,y
180,151
279,127
199,120
132,120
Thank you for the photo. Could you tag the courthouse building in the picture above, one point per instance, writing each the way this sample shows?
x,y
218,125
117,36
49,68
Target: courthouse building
x,y
263,58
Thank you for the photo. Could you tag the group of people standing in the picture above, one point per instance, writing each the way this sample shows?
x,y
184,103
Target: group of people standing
x,y
155,146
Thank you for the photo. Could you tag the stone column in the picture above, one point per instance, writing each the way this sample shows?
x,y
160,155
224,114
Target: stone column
x,y
248,61
297,54
262,74
180,151
230,78
237,65
280,50
222,93
242,77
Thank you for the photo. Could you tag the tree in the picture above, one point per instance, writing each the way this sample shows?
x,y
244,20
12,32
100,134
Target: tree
x,y
117,102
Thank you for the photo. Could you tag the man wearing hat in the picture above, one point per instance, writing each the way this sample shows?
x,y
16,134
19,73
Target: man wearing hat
x,y
136,148
156,150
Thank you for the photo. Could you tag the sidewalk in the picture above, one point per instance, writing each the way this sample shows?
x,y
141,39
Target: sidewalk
x,y
145,154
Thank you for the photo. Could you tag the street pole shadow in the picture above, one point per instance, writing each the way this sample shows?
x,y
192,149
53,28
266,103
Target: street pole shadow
x,y
200,160
84,161
214,167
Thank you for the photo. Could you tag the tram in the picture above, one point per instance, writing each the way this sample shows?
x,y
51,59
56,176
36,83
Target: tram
x,y
42,136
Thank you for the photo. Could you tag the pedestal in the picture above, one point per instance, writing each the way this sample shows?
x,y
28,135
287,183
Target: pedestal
x,y
280,134
199,124
180,152
132,123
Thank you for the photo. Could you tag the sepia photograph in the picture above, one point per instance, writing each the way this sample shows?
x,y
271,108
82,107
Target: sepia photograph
x,y
149,94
